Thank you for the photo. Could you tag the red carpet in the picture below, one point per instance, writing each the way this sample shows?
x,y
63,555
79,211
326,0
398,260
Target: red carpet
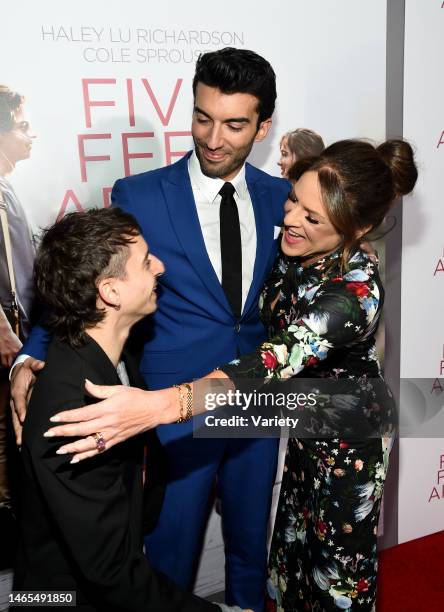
x,y
411,576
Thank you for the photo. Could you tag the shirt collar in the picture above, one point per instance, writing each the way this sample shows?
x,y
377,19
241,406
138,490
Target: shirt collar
x,y
210,187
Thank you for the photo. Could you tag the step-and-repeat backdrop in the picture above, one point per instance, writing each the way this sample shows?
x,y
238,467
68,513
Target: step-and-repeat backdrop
x,y
421,478
108,93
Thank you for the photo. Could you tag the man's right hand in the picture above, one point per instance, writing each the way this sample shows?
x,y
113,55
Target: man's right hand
x,y
23,377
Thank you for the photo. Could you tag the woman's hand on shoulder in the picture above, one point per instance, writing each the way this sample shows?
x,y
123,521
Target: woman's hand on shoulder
x,y
124,412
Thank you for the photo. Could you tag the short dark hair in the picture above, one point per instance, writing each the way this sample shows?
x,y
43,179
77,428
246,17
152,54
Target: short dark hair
x,y
359,182
10,102
74,255
239,71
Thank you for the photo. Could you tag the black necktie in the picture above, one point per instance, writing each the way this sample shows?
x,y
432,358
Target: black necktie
x,y
231,249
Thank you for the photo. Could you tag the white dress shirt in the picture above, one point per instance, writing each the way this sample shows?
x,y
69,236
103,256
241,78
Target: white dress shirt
x,y
207,199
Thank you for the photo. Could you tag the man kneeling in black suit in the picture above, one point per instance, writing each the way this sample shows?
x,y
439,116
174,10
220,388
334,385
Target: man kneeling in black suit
x,y
82,524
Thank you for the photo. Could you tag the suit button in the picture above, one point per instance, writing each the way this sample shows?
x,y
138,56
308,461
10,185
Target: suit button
x,y
237,327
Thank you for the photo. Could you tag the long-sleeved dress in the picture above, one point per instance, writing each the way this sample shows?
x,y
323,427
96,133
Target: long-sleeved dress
x,y
322,322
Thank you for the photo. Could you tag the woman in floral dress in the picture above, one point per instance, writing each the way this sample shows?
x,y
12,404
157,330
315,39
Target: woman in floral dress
x,y
322,305
323,554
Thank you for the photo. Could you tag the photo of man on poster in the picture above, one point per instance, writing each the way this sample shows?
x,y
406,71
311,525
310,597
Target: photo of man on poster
x,y
16,283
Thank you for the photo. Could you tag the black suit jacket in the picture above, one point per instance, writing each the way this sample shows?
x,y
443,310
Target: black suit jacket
x,y
82,524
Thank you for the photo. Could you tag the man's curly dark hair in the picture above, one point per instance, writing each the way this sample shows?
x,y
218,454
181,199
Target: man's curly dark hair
x,y
74,255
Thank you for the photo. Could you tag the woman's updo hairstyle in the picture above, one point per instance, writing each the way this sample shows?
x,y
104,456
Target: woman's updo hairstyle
x,y
359,183
398,155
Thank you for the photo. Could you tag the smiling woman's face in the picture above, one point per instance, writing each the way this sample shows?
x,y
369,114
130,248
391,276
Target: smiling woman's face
x,y
287,158
308,231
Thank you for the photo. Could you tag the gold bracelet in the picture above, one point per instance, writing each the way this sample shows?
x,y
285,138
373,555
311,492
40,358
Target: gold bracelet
x,y
189,389
189,409
181,418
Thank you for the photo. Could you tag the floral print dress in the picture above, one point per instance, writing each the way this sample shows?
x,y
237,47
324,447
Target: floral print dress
x,y
321,324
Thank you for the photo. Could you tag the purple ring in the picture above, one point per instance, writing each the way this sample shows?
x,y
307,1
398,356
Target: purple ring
x,y
100,442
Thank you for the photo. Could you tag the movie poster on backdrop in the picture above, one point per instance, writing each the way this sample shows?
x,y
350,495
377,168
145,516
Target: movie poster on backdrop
x,y
108,93
421,499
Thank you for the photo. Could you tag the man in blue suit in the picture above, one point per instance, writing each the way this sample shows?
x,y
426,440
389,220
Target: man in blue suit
x,y
208,312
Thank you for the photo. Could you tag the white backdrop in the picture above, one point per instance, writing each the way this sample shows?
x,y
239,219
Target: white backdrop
x,y
329,59
421,494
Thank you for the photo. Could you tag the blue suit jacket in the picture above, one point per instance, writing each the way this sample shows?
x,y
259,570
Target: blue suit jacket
x,y
194,329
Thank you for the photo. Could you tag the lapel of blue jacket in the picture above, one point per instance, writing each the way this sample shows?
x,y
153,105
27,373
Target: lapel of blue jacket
x,y
263,214
185,221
